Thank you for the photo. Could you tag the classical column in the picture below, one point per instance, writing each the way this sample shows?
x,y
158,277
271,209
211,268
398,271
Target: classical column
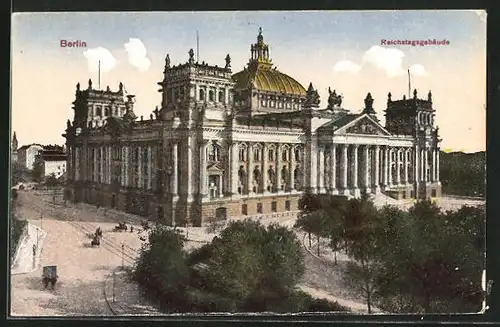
x,y
110,164
127,161
345,167
355,169
376,182
94,173
221,190
333,171
433,170
250,168
389,167
189,169
203,182
321,169
366,161
174,170
265,167
386,166
234,168
122,166
398,166
426,165
139,167
405,163
437,166
292,169
416,165
278,168
150,168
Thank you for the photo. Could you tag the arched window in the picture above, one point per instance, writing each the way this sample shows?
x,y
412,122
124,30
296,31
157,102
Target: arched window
x,y
211,96
202,95
106,111
256,154
213,153
221,96
243,154
297,155
98,111
284,155
271,155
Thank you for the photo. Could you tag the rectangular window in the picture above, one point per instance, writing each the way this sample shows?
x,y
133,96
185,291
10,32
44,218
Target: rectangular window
x,y
287,205
259,208
244,209
271,155
274,206
433,193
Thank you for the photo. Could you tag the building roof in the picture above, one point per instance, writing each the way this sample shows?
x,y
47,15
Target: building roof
x,y
29,146
268,80
53,157
261,75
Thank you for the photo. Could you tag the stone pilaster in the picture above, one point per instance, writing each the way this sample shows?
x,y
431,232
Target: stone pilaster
x,y
391,163
366,163
278,168
386,167
203,182
321,169
345,167
140,181
265,168
174,171
355,164
426,160
150,168
437,167
250,168
292,169
376,175
333,169
405,163
398,166
234,168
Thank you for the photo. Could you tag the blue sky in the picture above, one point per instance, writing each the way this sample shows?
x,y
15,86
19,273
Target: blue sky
x,y
304,45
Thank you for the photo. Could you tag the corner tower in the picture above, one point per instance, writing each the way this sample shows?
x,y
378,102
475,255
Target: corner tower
x,y
415,118
93,106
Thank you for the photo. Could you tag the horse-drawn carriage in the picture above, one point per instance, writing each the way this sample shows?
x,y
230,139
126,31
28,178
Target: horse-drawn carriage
x,y
96,241
49,276
121,227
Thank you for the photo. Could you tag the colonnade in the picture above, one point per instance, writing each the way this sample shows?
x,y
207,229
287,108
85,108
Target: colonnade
x,y
262,168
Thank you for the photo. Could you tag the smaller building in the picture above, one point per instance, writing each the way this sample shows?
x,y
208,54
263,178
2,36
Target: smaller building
x,y
52,158
27,153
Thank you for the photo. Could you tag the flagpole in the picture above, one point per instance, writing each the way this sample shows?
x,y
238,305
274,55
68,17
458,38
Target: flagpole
x,y
99,75
409,84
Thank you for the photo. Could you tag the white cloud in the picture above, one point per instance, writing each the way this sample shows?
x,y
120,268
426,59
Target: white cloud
x,y
481,14
388,60
99,54
137,54
418,70
346,66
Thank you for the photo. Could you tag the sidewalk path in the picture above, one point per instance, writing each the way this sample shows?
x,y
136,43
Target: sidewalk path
x,y
23,261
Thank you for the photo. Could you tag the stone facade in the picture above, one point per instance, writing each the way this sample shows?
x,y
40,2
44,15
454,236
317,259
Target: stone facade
x,y
213,151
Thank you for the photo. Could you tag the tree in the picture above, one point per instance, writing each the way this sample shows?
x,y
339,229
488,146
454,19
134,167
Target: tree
x,y
362,240
253,264
38,171
19,173
161,268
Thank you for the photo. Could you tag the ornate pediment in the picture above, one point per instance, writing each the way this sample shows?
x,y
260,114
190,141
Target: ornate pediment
x,y
364,126
215,168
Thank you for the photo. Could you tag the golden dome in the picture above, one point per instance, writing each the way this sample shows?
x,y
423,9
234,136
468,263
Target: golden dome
x,y
261,75
268,80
